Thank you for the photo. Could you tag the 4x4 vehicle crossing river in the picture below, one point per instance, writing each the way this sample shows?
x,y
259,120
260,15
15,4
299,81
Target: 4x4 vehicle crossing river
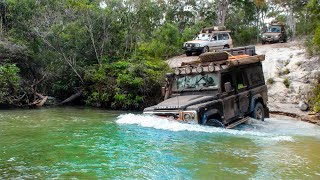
x,y
217,90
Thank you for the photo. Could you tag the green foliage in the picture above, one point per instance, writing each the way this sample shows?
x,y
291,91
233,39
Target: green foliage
x,y
286,82
315,101
316,39
270,81
286,71
9,83
116,53
126,84
165,42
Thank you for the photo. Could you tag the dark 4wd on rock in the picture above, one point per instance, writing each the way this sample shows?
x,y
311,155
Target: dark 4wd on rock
x,y
219,90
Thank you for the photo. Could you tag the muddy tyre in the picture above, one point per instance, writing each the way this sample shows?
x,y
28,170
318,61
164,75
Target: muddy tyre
x,y
226,46
213,56
258,112
188,53
215,123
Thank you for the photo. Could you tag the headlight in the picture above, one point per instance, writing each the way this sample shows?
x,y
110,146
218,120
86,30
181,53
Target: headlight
x,y
187,117
211,67
184,44
276,36
197,45
263,36
190,117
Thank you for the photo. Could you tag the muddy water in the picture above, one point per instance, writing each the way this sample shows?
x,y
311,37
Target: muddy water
x,y
97,144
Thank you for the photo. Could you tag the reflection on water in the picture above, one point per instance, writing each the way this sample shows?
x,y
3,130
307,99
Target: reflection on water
x,y
96,144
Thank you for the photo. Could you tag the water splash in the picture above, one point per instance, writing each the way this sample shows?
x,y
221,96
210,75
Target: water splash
x,y
271,129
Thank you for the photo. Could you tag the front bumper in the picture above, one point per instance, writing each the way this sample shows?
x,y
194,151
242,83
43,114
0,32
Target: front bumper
x,y
193,49
266,112
177,115
270,39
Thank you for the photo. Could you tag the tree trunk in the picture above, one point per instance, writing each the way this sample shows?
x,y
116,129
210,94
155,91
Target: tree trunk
x,y
222,11
72,98
291,21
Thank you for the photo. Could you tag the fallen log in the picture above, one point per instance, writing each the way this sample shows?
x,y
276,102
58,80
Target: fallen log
x,y
38,102
72,97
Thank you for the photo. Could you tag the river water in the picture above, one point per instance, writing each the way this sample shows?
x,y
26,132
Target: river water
x,y
82,143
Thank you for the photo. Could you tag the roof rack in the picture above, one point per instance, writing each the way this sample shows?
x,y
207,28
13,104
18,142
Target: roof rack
x,y
213,28
216,61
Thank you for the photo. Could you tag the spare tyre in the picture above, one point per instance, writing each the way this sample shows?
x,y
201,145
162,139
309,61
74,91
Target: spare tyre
x,y
213,56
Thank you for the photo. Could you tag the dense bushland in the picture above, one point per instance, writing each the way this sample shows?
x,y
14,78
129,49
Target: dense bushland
x,y
114,51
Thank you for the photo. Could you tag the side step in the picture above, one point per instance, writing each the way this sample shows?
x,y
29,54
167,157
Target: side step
x,y
237,123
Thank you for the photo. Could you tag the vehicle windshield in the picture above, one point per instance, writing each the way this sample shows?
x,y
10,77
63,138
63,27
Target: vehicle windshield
x,y
195,82
204,37
274,29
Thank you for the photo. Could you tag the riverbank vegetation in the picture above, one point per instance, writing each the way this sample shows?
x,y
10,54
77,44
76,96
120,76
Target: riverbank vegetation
x,y
111,53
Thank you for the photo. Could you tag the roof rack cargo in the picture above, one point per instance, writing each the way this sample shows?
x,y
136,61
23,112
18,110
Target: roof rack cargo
x,y
213,61
213,28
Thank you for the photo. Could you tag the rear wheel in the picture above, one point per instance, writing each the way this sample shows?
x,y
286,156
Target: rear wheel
x,y
263,42
188,53
285,39
215,123
226,46
258,112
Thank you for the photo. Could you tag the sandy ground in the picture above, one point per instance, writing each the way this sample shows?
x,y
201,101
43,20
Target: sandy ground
x,y
283,60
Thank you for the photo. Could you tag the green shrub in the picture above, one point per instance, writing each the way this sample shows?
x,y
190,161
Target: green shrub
x,y
286,82
126,84
286,62
316,105
9,83
299,63
270,81
286,71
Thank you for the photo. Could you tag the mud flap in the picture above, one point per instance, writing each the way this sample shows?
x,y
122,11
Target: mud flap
x,y
266,112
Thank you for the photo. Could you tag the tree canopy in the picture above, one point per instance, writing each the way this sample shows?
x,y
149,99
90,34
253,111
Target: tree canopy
x,y
115,50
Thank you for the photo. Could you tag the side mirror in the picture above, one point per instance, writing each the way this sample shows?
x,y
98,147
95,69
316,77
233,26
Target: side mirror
x,y
228,87
163,91
169,75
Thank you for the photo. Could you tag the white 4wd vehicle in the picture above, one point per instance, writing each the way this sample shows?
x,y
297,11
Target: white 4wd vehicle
x,y
208,40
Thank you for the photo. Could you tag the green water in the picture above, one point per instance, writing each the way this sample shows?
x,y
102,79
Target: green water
x,y
80,143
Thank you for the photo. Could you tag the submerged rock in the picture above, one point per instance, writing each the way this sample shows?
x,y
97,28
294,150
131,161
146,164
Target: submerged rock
x,y
303,106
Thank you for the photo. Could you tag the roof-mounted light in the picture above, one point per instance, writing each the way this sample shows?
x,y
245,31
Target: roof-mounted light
x,y
211,67
199,69
188,70
177,71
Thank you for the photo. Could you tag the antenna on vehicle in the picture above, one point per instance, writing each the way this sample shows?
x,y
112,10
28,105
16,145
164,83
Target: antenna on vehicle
x,y
179,110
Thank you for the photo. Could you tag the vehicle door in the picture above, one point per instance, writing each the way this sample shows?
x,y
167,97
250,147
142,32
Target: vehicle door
x,y
213,42
221,40
230,107
243,95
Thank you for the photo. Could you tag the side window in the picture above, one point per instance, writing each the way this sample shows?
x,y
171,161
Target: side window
x,y
225,78
241,81
220,37
225,36
214,38
255,75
